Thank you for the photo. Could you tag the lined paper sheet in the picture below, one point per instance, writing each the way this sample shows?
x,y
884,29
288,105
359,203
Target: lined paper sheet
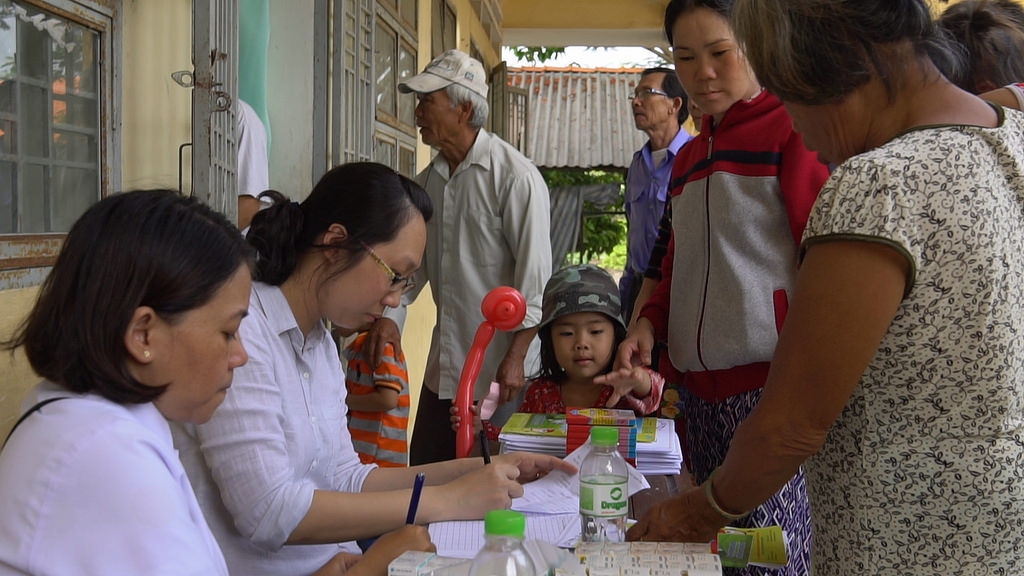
x,y
559,493
464,538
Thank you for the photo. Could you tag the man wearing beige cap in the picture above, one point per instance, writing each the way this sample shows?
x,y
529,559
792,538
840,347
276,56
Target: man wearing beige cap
x,y
490,228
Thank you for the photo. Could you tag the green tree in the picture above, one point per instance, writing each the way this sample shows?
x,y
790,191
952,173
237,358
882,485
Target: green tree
x,y
537,54
604,228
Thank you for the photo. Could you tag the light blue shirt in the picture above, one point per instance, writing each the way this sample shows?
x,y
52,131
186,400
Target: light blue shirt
x,y
646,192
90,487
280,434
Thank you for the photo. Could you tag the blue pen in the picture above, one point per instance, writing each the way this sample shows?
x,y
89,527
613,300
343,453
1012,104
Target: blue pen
x,y
414,502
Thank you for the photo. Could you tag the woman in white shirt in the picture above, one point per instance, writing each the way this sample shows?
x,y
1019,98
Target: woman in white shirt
x,y
275,467
135,325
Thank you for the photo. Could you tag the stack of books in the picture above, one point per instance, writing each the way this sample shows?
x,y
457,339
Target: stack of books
x,y
657,446
579,421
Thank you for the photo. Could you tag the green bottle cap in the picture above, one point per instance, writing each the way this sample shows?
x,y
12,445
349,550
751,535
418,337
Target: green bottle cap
x,y
604,436
505,523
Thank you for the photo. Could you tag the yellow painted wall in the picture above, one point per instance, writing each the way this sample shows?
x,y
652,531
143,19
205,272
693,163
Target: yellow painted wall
x,y
583,14
156,112
15,373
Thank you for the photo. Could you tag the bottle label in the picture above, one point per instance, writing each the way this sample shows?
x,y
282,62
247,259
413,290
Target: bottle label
x,y
603,499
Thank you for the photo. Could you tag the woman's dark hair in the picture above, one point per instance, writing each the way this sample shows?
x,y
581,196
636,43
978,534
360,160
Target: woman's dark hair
x,y
549,367
671,85
991,33
370,200
813,52
676,8
146,248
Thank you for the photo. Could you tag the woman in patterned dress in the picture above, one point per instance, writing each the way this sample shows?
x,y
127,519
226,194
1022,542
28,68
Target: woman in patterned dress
x,y
898,380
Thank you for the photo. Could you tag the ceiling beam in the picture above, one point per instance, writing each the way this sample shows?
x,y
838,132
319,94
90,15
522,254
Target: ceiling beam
x,y
583,22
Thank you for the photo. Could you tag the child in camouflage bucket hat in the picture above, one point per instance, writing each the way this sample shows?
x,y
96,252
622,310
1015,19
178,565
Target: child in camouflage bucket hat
x,y
580,330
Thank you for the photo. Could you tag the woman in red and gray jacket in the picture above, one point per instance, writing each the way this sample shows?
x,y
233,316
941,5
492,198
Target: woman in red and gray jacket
x,y
741,192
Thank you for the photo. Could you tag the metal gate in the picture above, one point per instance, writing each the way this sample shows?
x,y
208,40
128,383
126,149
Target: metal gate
x,y
214,91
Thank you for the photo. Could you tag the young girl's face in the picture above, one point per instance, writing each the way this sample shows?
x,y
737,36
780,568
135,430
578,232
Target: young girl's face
x,y
712,68
584,344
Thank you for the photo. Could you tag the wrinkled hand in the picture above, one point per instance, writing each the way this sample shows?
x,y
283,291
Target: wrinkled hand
x,y
382,332
510,376
532,466
635,349
455,419
683,518
390,546
623,381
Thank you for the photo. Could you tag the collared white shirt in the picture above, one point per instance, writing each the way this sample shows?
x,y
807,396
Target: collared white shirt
x,y
491,227
280,434
253,165
90,487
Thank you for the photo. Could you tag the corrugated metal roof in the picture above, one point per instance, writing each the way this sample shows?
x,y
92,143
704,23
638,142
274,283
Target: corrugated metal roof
x,y
579,117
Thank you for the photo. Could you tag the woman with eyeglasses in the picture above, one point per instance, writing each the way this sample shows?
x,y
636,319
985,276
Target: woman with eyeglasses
x,y
90,484
275,467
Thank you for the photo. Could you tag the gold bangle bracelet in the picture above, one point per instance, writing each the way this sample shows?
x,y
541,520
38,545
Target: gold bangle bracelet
x,y
709,494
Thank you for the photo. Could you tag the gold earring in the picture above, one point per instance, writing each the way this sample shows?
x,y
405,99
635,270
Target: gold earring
x,y
146,354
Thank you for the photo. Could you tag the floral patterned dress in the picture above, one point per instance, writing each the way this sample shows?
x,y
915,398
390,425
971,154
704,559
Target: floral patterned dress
x,y
922,472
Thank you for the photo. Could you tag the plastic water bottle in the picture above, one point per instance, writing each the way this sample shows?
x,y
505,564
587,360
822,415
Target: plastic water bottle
x,y
604,483
503,553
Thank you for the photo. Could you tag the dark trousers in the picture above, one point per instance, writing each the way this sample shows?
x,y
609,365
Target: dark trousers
x,y
433,439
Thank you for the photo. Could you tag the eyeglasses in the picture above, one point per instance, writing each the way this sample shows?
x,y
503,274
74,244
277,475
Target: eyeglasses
x,y
645,93
398,282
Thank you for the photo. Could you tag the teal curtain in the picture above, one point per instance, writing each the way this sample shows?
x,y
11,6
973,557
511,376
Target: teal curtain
x,y
253,43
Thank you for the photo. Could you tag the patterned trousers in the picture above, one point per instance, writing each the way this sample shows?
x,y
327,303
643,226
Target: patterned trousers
x,y
709,430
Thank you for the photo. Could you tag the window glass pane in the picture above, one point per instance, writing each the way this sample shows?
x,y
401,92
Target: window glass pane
x,y
406,102
8,137
7,187
32,200
449,27
8,44
409,12
7,87
73,56
50,130
385,62
436,28
407,162
35,118
72,147
350,40
74,190
385,153
75,111
33,45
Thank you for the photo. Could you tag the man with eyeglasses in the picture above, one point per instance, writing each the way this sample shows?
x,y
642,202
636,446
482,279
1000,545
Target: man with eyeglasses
x,y
491,227
659,108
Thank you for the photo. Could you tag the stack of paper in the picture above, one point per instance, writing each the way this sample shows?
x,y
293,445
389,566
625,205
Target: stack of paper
x,y
658,450
551,505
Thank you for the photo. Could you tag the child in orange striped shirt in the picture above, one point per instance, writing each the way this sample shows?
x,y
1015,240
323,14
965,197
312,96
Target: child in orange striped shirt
x,y
378,403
